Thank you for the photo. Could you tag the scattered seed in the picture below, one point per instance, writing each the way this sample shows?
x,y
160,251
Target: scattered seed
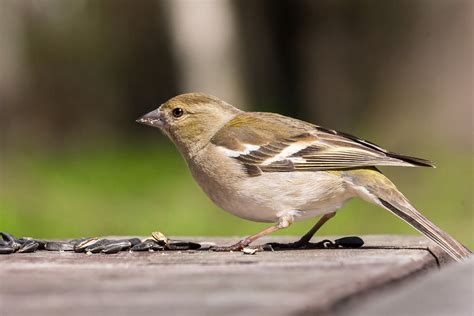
x,y
182,245
147,245
81,246
349,242
29,246
249,251
5,250
58,246
160,238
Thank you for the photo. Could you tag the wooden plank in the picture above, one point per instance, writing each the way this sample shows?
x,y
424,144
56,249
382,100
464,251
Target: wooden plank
x,y
445,292
206,283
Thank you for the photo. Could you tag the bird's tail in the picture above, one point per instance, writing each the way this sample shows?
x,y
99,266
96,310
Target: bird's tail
x,y
374,187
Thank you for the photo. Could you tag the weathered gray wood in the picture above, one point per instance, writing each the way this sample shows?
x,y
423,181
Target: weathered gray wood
x,y
206,283
449,291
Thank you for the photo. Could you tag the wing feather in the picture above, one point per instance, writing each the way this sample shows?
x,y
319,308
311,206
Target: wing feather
x,y
284,144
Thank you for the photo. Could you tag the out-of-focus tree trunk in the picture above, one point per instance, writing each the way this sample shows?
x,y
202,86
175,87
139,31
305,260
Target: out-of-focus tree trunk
x,y
12,67
206,45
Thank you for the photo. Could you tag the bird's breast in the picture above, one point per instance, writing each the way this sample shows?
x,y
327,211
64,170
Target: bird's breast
x,y
263,197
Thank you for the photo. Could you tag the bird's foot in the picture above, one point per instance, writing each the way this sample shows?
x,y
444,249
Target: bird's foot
x,y
244,243
236,247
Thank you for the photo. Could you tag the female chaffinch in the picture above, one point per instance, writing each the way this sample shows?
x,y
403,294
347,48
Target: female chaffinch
x,y
266,167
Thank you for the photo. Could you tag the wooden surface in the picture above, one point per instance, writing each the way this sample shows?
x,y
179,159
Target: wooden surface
x,y
447,291
293,282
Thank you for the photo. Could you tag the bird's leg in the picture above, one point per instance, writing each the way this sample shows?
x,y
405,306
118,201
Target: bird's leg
x,y
283,222
307,237
304,241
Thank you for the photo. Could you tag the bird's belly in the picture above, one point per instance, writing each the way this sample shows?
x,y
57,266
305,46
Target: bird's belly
x,y
268,196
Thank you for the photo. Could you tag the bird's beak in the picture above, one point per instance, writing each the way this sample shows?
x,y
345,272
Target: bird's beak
x,y
153,119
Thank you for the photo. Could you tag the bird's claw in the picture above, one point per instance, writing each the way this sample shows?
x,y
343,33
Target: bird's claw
x,y
232,248
236,247
243,246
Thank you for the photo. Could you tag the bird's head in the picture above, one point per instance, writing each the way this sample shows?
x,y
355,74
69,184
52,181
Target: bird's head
x,y
190,120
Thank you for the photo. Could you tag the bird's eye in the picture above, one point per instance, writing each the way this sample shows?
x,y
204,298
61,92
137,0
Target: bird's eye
x,y
178,112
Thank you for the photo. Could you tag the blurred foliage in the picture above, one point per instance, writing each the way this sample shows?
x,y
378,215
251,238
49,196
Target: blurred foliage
x,y
119,189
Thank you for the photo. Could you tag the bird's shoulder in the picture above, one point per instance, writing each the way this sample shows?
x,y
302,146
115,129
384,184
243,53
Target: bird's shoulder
x,y
261,128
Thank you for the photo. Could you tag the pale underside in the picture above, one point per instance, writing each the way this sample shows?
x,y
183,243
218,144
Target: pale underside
x,y
264,166
303,195
265,198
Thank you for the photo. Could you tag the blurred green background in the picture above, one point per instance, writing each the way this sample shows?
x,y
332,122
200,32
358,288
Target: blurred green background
x,y
76,74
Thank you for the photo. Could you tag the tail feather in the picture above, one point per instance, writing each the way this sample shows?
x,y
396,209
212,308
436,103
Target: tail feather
x,y
376,188
430,230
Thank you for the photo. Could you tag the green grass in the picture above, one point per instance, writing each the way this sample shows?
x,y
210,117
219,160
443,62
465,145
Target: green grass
x,y
125,190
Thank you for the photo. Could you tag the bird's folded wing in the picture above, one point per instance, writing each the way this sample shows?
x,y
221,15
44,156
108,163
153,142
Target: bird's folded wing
x,y
266,142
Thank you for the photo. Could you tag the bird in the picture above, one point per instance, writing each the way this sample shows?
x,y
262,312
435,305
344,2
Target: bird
x,y
266,167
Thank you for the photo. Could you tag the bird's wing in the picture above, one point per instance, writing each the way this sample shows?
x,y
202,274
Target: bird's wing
x,y
267,142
